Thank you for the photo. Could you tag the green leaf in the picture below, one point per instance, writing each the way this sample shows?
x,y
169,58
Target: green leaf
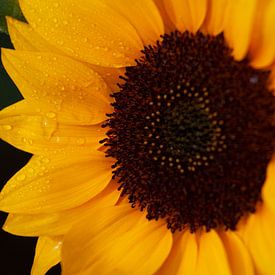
x,y
9,8
3,25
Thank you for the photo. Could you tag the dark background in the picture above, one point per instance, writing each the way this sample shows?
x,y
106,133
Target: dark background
x,y
16,253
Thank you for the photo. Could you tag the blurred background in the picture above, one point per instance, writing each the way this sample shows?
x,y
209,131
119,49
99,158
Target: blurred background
x,y
16,253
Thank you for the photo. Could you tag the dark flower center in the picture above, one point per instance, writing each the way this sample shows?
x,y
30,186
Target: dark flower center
x,y
192,132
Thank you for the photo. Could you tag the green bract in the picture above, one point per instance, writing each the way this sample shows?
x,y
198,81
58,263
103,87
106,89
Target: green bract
x,y
9,8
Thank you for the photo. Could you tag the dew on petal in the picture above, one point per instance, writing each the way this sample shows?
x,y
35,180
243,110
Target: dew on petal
x,y
51,115
45,160
24,140
30,171
21,177
49,126
30,141
80,141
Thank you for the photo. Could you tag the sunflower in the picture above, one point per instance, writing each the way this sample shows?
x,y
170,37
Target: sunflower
x,y
151,125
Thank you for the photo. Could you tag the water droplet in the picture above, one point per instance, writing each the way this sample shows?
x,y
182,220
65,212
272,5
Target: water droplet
x,y
31,171
49,126
21,177
80,141
45,160
51,115
24,140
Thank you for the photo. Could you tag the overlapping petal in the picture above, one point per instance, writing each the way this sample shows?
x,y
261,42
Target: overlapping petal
x,y
183,256
47,254
24,38
187,14
59,223
208,253
258,236
262,47
143,16
237,253
60,85
27,127
56,182
216,16
116,240
212,258
168,24
240,16
91,31
110,75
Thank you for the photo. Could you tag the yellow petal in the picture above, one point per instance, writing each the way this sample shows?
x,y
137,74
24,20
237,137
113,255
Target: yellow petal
x,y
187,14
88,30
56,182
215,18
259,239
212,257
47,254
263,40
32,225
53,224
60,85
269,185
239,25
40,132
143,15
24,38
119,240
110,75
238,255
168,24
183,256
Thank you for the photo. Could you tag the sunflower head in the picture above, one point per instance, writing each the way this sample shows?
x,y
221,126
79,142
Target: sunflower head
x,y
151,125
